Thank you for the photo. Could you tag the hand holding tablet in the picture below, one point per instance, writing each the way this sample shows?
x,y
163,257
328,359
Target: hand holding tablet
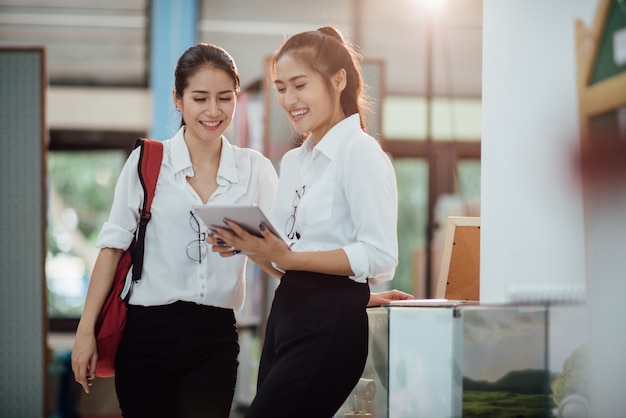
x,y
248,216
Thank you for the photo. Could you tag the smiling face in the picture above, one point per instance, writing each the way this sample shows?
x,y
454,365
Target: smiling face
x,y
207,104
305,96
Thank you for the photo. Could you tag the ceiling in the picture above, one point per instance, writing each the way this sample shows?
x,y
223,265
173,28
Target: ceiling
x,y
106,43
88,42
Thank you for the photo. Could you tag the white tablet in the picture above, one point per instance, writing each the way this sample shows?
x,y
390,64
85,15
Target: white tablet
x,y
249,216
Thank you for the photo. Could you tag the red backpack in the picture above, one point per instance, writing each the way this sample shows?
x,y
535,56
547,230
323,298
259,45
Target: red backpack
x,y
112,318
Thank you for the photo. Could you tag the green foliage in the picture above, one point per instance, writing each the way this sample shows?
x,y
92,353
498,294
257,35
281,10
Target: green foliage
x,y
477,404
85,181
516,381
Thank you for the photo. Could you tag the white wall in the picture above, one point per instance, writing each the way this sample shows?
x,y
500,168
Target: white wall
x,y
531,201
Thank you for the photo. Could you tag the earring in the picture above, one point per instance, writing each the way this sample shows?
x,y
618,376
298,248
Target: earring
x,y
177,109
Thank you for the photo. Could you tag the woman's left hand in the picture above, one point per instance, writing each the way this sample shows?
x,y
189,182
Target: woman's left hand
x,y
237,240
382,298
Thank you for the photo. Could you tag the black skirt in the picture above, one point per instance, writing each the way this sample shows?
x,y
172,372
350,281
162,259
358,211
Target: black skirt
x,y
315,346
177,360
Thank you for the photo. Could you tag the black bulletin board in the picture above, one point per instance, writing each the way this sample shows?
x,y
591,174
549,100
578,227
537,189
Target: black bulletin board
x,y
605,66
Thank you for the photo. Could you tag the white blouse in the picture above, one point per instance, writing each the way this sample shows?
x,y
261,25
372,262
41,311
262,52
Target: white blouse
x,y
169,275
348,200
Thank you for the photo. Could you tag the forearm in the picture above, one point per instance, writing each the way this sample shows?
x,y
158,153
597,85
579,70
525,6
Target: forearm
x,y
99,287
271,248
328,262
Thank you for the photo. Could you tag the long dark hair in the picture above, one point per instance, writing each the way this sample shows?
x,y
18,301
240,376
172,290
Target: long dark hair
x,y
197,57
325,51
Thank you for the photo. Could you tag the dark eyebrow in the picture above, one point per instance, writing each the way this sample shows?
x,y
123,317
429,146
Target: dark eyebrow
x,y
206,92
292,79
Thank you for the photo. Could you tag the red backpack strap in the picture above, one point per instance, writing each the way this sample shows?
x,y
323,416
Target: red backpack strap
x,y
150,157
149,167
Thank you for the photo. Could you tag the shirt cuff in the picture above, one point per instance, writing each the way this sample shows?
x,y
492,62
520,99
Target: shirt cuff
x,y
279,268
357,257
113,236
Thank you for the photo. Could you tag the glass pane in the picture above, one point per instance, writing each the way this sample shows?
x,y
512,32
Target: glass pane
x,y
464,202
504,362
404,118
80,192
469,180
412,176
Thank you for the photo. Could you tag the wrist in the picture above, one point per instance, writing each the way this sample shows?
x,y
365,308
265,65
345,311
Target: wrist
x,y
85,329
286,260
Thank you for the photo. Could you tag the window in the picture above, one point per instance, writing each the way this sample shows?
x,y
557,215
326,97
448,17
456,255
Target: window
x,y
79,192
412,178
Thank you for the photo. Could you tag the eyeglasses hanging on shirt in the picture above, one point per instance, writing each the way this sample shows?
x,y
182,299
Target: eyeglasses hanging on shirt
x,y
290,226
197,249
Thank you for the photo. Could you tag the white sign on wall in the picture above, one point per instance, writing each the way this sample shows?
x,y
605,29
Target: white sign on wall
x,y
619,47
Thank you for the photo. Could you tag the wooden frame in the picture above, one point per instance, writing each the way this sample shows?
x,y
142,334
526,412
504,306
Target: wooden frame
x,y
606,95
459,276
601,101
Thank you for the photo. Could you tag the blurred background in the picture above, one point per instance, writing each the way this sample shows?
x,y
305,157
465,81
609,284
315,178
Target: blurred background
x,y
110,73
471,105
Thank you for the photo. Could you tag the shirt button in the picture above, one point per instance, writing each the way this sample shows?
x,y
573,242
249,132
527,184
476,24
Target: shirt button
x,y
201,295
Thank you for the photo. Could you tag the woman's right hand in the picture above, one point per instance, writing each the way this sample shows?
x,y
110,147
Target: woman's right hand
x,y
84,358
383,298
85,352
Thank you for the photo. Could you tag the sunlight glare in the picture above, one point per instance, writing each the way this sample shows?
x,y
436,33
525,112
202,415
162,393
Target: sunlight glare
x,y
434,6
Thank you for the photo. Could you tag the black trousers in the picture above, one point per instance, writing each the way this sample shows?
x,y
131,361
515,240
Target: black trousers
x,y
177,360
315,346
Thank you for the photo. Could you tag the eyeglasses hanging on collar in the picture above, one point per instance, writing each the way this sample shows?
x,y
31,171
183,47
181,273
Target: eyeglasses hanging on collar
x,y
197,249
290,226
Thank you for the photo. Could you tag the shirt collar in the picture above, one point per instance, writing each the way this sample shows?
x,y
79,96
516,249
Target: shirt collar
x,y
333,140
181,161
228,164
180,153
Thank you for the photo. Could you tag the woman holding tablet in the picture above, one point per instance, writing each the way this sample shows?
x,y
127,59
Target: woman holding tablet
x,y
178,355
337,203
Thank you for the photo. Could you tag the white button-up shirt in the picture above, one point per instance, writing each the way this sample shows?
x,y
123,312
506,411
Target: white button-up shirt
x,y
349,201
244,176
